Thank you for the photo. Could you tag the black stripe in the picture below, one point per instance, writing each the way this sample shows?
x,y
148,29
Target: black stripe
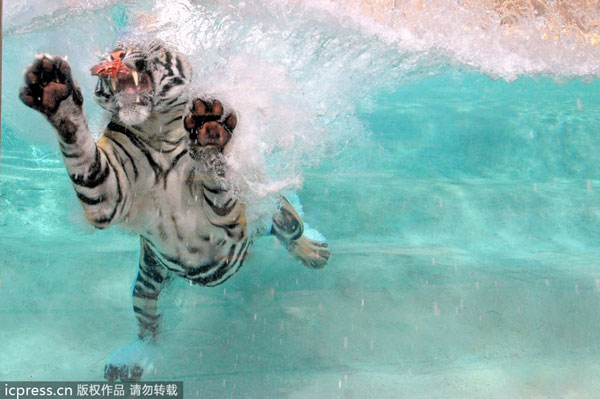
x,y
287,224
219,269
140,311
150,264
237,233
215,190
96,175
221,210
161,232
171,101
156,46
189,182
67,154
174,261
109,218
169,151
172,165
176,142
145,283
152,327
241,256
175,145
179,66
207,268
167,109
135,140
166,257
167,63
119,191
70,155
100,89
88,200
176,81
164,77
229,227
120,161
135,170
241,259
177,232
96,166
173,269
171,121
151,274
139,293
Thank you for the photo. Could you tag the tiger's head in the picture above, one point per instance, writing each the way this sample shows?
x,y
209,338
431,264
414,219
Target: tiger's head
x,y
138,79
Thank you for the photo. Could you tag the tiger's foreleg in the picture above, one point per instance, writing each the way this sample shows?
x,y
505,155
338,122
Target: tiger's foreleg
x,y
289,229
131,361
99,179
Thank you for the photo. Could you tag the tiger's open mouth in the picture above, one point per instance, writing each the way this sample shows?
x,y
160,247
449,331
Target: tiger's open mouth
x,y
124,80
132,84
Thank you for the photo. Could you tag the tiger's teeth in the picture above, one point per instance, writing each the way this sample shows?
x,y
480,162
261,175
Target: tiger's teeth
x,y
134,74
137,99
113,84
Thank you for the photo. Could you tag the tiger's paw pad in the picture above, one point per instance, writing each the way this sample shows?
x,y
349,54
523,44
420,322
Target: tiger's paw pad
x,y
129,362
48,82
312,253
208,125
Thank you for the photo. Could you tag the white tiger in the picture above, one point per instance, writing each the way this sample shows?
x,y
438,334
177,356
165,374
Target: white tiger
x,y
157,169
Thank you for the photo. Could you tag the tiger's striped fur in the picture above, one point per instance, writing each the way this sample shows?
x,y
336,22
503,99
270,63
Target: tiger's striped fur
x,y
141,174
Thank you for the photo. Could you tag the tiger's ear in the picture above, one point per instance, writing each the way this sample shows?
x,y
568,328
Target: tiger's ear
x,y
231,121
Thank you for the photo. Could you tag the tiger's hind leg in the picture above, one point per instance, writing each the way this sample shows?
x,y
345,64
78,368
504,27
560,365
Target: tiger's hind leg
x,y
129,362
290,230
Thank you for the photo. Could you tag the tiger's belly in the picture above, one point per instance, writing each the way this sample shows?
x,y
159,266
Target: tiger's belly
x,y
180,235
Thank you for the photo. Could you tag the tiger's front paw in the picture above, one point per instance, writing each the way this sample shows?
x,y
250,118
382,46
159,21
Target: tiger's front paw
x,y
129,362
48,82
208,126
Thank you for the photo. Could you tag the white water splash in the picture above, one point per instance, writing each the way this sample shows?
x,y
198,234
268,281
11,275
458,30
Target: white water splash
x,y
296,71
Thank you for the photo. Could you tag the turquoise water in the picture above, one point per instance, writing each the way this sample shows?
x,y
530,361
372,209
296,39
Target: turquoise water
x,y
461,206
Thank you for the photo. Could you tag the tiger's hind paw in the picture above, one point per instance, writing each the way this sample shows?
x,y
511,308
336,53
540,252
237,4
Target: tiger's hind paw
x,y
312,253
122,373
129,362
